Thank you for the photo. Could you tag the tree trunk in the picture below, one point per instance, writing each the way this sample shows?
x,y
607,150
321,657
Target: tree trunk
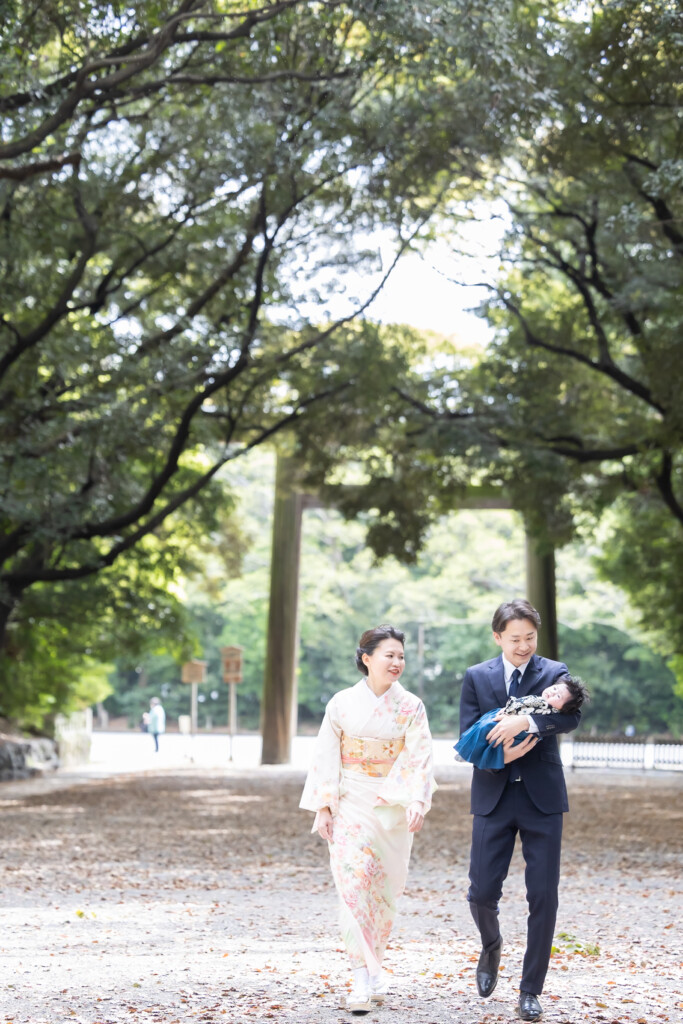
x,y
278,717
540,590
6,609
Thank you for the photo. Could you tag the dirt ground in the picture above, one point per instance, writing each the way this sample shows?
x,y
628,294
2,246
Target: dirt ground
x,y
199,895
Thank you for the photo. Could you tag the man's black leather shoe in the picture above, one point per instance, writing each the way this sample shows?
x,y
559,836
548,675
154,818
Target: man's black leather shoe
x,y
529,1007
487,970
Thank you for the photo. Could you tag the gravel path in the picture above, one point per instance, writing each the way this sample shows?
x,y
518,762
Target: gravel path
x,y
198,895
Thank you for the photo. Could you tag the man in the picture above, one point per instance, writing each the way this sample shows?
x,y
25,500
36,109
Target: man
x,y
527,796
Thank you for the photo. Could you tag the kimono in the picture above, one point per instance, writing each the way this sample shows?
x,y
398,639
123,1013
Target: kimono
x,y
373,758
475,748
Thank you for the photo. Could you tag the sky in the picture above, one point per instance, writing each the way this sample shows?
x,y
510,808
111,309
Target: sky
x,y
438,289
418,293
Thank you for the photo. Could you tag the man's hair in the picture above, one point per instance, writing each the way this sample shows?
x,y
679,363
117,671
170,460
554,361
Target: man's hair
x,y
578,693
520,608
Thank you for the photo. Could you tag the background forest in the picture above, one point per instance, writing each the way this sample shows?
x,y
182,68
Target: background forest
x,y
472,560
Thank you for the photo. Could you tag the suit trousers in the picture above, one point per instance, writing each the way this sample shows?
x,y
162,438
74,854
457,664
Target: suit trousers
x,y
493,841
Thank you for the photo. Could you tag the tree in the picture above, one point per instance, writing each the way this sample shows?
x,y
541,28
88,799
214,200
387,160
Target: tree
x,y
586,368
66,637
279,684
576,402
469,562
178,191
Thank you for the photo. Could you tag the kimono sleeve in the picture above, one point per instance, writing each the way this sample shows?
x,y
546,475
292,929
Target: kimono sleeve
x,y
412,775
324,775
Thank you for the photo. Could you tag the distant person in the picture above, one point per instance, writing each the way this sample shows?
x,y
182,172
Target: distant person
x,y
567,694
157,720
527,796
370,784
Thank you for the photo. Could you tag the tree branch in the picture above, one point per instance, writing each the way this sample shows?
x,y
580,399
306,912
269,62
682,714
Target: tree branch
x,y
609,369
87,83
584,455
61,306
664,479
20,579
24,171
427,410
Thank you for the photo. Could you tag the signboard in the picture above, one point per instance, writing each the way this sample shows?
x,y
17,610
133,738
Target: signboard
x,y
193,672
231,658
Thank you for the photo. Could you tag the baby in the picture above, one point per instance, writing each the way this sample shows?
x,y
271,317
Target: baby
x,y
565,695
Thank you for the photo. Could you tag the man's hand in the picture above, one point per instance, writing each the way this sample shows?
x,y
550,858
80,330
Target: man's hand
x,y
507,728
324,823
415,816
512,752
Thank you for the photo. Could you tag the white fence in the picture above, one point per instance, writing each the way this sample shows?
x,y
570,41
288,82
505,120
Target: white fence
x,y
602,754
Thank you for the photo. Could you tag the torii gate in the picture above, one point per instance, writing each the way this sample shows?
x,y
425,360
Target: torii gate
x,y
279,704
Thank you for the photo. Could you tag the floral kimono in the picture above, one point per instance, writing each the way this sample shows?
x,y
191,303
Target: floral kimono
x,y
373,758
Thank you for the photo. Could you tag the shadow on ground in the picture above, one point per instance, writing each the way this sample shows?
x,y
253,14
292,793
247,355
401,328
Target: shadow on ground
x,y
199,895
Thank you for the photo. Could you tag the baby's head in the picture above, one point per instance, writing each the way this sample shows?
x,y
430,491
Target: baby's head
x,y
566,694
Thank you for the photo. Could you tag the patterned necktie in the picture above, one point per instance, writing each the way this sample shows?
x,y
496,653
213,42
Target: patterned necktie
x,y
514,683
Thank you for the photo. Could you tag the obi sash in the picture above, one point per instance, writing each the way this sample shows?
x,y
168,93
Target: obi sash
x,y
370,757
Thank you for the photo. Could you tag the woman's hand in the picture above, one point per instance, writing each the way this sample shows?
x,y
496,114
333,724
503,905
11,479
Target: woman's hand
x,y
415,816
324,822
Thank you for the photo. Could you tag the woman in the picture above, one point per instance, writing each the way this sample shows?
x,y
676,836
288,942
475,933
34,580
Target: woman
x,y
371,785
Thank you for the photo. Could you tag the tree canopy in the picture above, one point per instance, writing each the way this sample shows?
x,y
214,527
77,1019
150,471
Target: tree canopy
x,y
183,190
444,602
180,189
573,411
586,368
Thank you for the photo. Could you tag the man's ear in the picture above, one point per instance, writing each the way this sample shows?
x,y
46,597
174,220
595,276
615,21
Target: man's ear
x,y
497,638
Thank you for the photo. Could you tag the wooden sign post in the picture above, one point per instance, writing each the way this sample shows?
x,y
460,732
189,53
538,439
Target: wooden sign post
x,y
193,672
231,658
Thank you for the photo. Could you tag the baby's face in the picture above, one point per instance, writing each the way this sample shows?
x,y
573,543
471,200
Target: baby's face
x,y
557,695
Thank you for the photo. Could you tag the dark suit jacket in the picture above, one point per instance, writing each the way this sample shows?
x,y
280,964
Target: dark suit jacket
x,y
483,689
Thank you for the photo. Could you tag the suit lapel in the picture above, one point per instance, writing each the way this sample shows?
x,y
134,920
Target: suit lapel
x,y
497,680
